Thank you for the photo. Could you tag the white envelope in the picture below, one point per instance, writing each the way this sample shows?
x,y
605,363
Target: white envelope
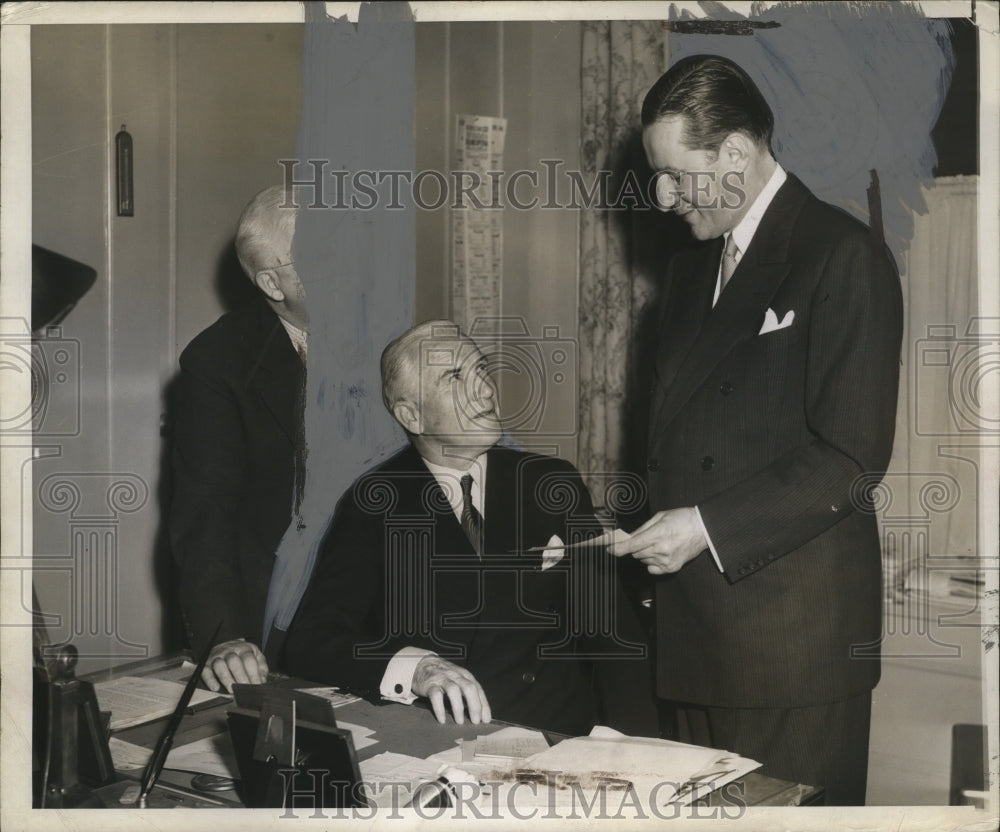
x,y
772,324
550,557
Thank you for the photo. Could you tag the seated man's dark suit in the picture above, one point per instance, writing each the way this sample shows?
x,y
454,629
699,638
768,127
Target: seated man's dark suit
x,y
397,570
237,422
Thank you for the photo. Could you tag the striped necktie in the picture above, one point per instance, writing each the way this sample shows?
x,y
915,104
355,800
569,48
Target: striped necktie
x,y
729,261
472,521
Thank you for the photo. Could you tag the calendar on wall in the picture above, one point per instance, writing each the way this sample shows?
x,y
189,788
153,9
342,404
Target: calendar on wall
x,y
477,219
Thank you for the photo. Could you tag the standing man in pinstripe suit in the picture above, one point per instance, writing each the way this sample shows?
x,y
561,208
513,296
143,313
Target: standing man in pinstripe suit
x,y
775,397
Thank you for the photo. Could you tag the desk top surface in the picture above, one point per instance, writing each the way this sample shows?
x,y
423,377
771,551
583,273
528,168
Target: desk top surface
x,y
404,729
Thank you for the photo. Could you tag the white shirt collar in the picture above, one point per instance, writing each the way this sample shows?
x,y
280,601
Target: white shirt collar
x,y
450,480
298,337
747,227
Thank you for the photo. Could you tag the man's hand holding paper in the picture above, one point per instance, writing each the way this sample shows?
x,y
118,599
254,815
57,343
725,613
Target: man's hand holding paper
x,y
664,543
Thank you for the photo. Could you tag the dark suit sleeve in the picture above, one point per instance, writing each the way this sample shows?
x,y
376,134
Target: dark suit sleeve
x,y
209,461
341,634
855,330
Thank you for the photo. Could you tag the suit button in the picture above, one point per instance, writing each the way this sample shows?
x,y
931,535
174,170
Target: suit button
x,y
707,463
725,388
653,464
528,678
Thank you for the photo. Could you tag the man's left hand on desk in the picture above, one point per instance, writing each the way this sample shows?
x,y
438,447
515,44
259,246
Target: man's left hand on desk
x,y
434,677
236,661
665,542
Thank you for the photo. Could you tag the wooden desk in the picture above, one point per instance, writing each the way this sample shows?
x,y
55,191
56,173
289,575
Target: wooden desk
x,y
404,729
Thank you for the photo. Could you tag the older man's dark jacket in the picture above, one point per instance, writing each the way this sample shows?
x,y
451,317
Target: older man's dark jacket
x,y
237,423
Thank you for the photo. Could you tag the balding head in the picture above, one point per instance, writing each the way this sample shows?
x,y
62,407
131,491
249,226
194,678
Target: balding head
x,y
401,359
266,228
264,248
436,384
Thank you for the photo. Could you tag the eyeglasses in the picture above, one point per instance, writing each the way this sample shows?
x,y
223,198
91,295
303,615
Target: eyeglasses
x,y
274,268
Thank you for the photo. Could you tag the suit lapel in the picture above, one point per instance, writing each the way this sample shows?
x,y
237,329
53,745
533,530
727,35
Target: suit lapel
x,y
738,314
682,321
276,373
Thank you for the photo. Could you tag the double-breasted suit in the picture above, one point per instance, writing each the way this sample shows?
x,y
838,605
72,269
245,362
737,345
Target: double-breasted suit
x,y
775,433
237,424
396,569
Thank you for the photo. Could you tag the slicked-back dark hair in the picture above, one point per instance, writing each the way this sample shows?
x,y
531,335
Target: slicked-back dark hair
x,y
715,96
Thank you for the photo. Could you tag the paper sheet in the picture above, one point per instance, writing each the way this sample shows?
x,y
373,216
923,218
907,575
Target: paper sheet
x,y
361,735
510,744
134,700
211,755
333,695
390,778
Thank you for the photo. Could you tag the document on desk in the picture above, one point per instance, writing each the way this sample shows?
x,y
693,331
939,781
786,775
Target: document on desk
x,y
209,755
490,756
509,744
658,770
390,778
134,700
332,694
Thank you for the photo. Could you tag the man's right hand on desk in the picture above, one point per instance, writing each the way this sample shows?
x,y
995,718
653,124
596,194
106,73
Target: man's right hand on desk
x,y
435,677
236,661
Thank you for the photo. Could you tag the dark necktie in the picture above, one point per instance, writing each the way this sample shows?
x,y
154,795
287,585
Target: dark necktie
x,y
472,521
728,261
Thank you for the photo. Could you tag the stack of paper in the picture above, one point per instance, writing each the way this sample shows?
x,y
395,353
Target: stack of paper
x,y
660,772
331,694
134,700
514,744
492,756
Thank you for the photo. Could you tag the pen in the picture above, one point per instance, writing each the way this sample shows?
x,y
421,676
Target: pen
x,y
166,740
598,540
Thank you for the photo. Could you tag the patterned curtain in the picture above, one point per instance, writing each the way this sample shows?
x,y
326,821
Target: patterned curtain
x,y
621,251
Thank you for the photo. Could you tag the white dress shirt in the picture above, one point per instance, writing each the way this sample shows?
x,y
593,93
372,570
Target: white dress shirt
x,y
743,234
397,681
298,337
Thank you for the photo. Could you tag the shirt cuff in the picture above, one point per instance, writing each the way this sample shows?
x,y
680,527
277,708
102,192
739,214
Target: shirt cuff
x,y
397,681
711,546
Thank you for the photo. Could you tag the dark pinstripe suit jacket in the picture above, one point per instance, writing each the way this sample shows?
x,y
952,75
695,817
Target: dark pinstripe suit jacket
x,y
770,435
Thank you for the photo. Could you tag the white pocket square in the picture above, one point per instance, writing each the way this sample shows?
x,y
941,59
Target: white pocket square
x,y
771,322
550,557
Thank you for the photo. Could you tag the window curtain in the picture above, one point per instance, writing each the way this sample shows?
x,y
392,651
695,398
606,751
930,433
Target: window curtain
x,y
927,503
621,252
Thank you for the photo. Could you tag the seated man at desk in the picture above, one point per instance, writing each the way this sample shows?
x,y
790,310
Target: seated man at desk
x,y
426,585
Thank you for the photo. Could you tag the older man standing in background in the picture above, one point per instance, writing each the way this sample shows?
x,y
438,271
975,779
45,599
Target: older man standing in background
x,y
238,448
775,399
